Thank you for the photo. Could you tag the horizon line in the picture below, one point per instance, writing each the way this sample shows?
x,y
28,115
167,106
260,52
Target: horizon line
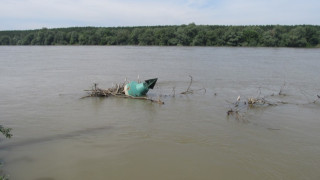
x,y
137,26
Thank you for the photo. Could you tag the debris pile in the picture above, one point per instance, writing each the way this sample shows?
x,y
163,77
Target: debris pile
x,y
117,90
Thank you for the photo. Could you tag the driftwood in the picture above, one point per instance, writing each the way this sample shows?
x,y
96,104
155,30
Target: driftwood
x,y
144,98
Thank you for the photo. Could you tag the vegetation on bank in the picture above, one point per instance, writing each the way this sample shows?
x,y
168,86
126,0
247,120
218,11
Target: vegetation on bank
x,y
182,35
7,133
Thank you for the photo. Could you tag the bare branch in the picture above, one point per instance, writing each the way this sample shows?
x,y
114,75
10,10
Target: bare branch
x,y
188,91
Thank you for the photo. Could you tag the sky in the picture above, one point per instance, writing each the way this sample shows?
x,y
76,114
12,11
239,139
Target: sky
x,y
36,14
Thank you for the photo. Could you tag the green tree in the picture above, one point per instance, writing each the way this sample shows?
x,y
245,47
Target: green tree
x,y
312,36
233,36
183,35
160,37
15,39
134,36
122,37
60,38
39,38
83,39
27,39
200,39
281,33
48,40
5,40
297,37
268,39
74,38
146,38
251,36
163,35
215,37
102,33
170,36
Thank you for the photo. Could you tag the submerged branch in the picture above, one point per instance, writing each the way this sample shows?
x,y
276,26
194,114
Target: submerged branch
x,y
190,91
316,100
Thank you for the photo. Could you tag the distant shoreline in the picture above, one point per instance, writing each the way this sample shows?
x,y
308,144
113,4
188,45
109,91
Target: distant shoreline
x,y
304,36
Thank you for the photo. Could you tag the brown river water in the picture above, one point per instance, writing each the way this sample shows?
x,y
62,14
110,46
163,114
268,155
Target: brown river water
x,y
57,135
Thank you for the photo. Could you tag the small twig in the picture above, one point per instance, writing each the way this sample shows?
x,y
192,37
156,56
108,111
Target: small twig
x,y
188,91
138,78
173,91
190,83
204,90
273,129
281,89
230,111
316,99
95,86
259,89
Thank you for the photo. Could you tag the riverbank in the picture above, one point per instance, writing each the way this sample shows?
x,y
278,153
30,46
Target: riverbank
x,y
180,35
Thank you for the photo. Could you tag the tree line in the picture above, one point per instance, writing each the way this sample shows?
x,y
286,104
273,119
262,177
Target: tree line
x,y
182,35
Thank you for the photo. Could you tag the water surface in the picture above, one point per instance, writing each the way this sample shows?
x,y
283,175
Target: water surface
x,y
57,135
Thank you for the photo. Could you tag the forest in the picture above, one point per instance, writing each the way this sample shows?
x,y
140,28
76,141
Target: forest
x,y
180,35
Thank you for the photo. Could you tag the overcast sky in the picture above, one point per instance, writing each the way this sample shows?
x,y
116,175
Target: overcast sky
x,y
35,14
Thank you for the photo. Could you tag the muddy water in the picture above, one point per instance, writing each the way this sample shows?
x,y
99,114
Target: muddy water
x,y
57,135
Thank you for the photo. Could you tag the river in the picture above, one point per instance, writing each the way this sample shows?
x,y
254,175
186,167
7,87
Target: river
x,y
58,135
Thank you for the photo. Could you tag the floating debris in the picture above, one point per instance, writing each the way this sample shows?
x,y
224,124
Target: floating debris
x,y
240,108
132,90
136,89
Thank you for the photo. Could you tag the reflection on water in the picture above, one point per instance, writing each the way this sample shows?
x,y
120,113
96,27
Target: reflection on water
x,y
57,135
31,142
